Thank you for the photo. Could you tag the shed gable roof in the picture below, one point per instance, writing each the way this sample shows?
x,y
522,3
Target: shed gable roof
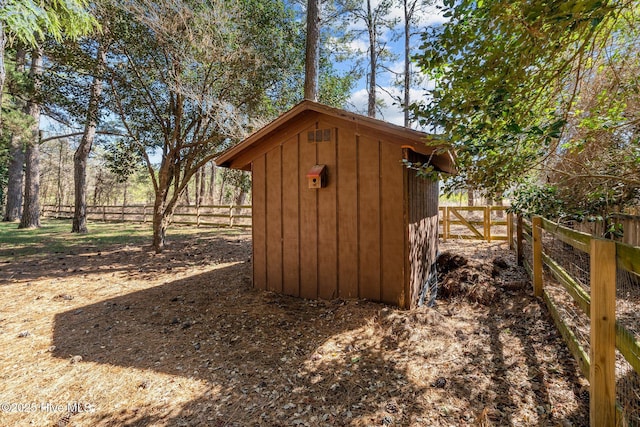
x,y
240,156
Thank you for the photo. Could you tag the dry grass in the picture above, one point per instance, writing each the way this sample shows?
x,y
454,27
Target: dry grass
x,y
181,339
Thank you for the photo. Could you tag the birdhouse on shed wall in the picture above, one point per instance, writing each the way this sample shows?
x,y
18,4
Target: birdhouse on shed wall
x,y
317,176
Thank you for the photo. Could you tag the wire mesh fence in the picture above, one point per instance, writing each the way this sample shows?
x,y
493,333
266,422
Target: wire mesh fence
x,y
576,264
567,281
628,319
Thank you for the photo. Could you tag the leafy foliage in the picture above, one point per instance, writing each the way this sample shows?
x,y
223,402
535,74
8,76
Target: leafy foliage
x,y
508,75
122,159
187,78
534,199
31,21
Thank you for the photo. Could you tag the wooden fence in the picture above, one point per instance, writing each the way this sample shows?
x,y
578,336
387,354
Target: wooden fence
x,y
200,216
474,222
628,224
465,222
580,276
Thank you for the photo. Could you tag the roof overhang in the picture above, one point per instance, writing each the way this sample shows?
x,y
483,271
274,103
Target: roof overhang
x,y
442,157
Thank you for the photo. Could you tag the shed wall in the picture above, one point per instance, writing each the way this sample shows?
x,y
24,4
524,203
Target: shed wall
x,y
345,240
422,213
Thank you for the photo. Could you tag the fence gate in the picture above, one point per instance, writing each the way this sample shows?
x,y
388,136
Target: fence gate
x,y
474,222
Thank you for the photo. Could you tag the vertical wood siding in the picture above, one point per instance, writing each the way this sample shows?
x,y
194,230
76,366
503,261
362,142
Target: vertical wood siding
x,y
274,220
327,219
369,218
347,211
348,239
392,223
291,217
422,210
259,226
308,220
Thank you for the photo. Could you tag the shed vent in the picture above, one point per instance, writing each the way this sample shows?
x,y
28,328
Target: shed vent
x,y
320,135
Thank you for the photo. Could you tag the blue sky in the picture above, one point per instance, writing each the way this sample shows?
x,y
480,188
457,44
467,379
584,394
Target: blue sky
x,y
392,113
358,99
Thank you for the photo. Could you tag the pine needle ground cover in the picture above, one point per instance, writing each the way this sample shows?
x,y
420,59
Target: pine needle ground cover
x,y
108,333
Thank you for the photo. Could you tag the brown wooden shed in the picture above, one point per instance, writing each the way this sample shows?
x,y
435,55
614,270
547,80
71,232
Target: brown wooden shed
x,y
335,211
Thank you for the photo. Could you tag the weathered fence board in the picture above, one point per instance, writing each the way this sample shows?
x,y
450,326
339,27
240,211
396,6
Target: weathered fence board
x,y
605,334
200,216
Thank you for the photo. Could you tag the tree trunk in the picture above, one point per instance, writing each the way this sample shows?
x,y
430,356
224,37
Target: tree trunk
x,y
312,57
162,214
96,188
203,185
187,199
470,198
407,62
125,192
3,72
212,184
371,108
224,175
163,210
31,211
160,224
59,177
240,199
16,180
13,210
498,201
197,189
82,152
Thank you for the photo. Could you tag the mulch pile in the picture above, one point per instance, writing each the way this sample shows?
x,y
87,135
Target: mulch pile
x,y
477,281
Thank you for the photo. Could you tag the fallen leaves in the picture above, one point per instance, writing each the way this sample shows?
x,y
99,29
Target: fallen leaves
x,y
195,345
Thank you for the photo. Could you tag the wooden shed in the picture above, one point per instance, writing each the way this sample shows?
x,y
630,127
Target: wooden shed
x,y
336,214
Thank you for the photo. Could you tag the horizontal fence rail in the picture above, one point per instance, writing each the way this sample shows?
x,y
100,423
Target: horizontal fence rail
x,y
474,222
489,223
591,287
628,225
199,216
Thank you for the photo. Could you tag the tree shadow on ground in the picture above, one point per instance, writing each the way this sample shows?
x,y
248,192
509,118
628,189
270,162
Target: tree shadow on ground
x,y
525,378
259,353
272,360
84,261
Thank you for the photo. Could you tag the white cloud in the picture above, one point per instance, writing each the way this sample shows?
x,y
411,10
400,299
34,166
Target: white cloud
x,y
397,67
429,17
359,45
358,101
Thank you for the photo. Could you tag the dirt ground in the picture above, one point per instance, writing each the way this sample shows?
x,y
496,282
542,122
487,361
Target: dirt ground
x,y
121,336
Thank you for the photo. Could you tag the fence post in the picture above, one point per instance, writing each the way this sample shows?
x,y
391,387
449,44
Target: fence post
x,y
144,213
603,336
536,231
445,221
510,229
519,243
487,223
